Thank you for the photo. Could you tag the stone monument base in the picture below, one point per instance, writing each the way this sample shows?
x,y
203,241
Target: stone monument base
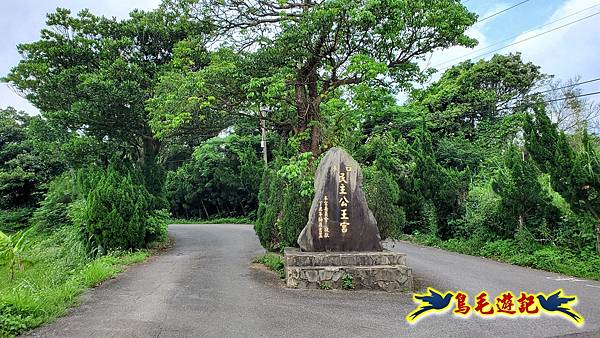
x,y
380,270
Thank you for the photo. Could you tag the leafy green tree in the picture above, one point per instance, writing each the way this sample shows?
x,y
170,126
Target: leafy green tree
x,y
472,93
323,46
30,157
433,194
199,96
222,179
473,110
575,173
94,74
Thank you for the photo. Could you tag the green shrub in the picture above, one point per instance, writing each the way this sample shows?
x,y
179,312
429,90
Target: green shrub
x,y
13,321
13,249
348,282
114,214
498,249
294,215
270,210
325,285
220,220
576,232
156,226
263,199
481,212
383,194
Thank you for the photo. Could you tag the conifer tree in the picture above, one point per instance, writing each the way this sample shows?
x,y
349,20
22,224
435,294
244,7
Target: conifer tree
x,y
575,173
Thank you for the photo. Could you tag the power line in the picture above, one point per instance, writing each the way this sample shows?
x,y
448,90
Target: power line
x,y
502,11
532,37
569,85
558,99
514,36
573,97
433,118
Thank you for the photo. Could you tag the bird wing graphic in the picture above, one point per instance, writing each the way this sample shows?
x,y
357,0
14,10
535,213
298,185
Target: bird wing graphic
x,y
414,315
431,298
428,302
556,298
569,312
554,303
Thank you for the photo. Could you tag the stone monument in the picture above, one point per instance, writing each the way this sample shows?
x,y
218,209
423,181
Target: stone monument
x,y
341,237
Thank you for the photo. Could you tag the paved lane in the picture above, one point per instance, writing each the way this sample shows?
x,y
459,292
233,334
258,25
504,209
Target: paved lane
x,y
204,286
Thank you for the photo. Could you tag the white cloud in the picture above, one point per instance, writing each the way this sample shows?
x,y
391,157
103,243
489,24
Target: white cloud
x,y
569,51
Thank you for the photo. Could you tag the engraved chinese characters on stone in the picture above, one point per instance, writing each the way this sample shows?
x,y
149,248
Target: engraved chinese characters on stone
x,y
324,218
342,183
339,218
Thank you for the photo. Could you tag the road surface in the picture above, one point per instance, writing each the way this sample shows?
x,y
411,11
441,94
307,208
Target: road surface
x,y
205,287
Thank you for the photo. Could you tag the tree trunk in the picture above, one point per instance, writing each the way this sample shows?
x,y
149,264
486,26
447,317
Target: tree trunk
x,y
308,109
520,222
150,149
153,172
204,207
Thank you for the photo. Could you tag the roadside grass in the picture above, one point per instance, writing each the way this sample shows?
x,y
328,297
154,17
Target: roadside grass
x,y
583,264
273,262
58,273
223,220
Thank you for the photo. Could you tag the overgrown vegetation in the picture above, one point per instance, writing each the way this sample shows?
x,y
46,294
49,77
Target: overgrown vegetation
x,y
59,270
325,285
521,251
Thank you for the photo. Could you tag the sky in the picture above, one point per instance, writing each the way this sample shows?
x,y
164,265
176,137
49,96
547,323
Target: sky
x,y
566,52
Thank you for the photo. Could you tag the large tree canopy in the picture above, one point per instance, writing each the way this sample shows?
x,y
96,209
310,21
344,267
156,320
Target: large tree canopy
x,y
94,74
473,94
323,46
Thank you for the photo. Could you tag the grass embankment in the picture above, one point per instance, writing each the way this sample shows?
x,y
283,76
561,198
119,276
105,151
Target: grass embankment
x,y
224,220
272,261
57,271
583,264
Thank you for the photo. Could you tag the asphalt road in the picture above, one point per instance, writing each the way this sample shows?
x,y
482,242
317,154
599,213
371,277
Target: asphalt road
x,y
205,287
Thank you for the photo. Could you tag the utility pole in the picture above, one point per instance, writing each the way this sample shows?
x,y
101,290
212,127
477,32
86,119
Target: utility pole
x,y
263,141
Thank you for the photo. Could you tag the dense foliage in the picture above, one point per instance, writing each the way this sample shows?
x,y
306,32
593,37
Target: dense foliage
x,y
220,180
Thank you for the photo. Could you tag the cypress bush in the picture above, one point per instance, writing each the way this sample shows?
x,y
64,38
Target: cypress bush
x,y
270,210
114,214
294,215
383,195
282,211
